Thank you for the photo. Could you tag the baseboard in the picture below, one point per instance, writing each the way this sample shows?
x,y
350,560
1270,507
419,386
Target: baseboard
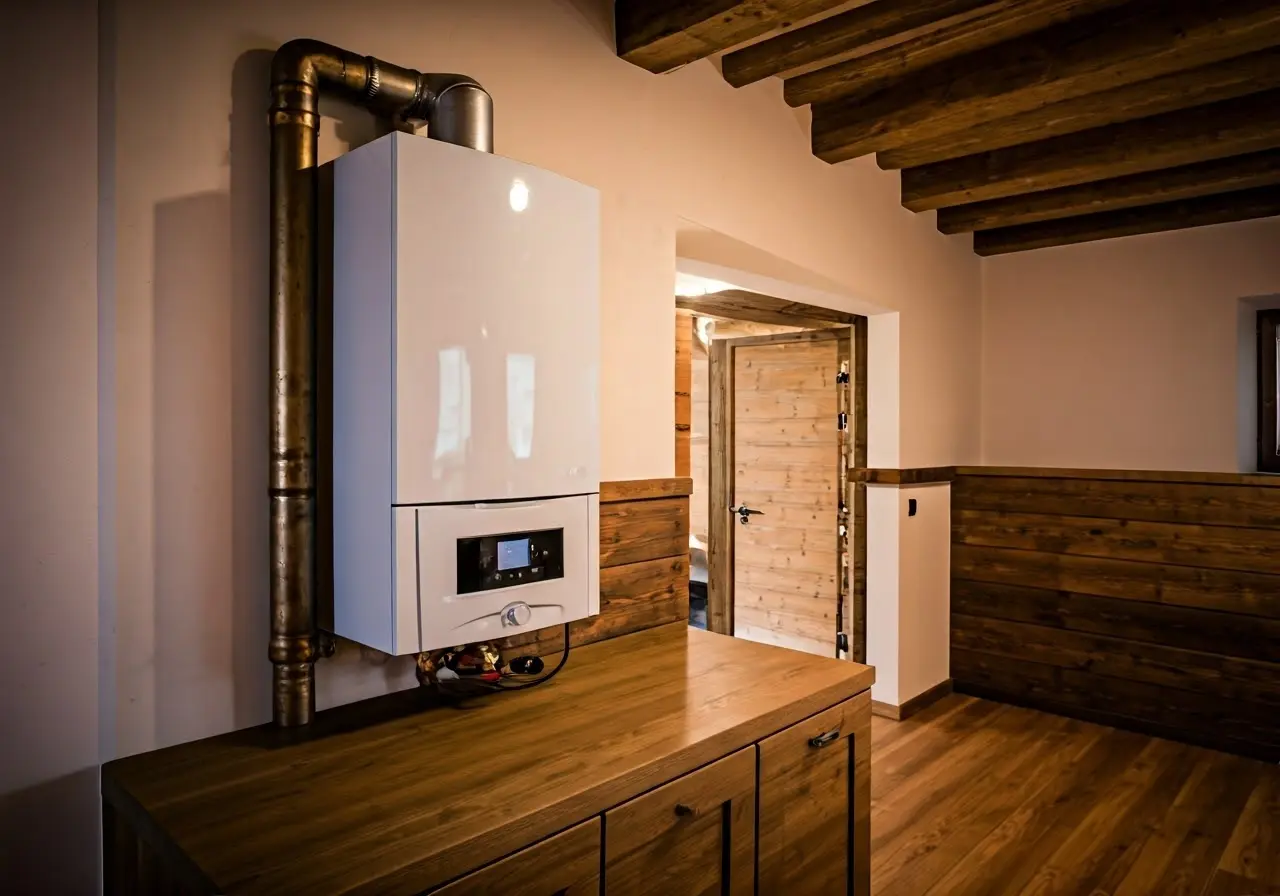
x,y
912,706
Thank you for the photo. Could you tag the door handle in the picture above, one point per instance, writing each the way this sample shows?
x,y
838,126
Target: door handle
x,y
745,513
824,740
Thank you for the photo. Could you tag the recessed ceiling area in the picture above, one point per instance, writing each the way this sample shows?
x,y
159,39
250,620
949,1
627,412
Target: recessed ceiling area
x,y
1029,123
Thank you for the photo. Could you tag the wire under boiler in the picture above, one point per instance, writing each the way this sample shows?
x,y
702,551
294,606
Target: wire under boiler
x,y
524,685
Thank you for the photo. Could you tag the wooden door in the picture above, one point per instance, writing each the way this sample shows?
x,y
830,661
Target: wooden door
x,y
567,864
693,836
786,462
815,804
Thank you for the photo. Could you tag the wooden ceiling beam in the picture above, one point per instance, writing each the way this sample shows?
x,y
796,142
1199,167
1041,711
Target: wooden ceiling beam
x,y
1194,87
838,36
1232,127
1001,20
1135,42
1259,169
737,304
1241,205
660,35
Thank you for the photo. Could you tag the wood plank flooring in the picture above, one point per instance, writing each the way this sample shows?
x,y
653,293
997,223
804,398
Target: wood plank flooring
x,y
975,797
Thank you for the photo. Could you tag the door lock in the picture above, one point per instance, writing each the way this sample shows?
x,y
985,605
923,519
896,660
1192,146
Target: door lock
x,y
745,513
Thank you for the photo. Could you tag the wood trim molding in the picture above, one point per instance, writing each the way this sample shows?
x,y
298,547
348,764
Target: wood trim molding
x,y
645,489
1261,480
909,476
914,705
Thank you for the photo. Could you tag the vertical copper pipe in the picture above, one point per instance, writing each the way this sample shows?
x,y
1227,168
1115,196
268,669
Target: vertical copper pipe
x,y
301,71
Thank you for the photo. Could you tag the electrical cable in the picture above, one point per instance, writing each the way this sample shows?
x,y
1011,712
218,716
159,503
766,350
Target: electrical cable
x,y
523,685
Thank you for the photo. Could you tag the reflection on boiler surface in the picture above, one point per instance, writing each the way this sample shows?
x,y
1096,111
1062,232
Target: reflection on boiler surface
x,y
453,422
520,404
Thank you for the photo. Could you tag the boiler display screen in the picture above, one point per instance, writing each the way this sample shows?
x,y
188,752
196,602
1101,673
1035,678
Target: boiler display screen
x,y
513,554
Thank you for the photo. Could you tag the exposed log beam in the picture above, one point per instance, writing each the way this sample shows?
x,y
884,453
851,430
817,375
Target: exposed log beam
x,y
1243,205
1001,20
1136,42
1233,127
1180,90
1257,169
660,35
838,36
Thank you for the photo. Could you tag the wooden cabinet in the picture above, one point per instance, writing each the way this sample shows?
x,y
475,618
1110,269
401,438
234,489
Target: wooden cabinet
x,y
567,864
693,836
815,804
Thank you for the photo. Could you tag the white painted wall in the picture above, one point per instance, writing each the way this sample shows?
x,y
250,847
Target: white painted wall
x,y
48,452
884,569
1125,354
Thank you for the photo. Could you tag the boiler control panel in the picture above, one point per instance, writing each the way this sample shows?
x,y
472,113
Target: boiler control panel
x,y
489,562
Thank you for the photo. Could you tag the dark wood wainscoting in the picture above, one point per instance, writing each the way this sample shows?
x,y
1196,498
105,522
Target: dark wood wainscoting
x,y
644,563
1148,601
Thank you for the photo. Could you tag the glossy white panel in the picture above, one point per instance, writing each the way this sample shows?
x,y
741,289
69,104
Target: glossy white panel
x,y
497,279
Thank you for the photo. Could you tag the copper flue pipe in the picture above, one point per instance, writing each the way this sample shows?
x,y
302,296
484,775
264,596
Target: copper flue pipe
x,y
456,110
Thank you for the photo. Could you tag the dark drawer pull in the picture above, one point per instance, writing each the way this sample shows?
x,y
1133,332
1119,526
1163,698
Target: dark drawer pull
x,y
682,809
825,740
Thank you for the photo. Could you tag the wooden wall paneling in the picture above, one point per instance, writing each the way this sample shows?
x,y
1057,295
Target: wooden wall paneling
x,y
1228,591
1147,600
1186,544
1228,128
684,389
785,561
1189,628
721,522
1133,42
644,565
1163,502
1223,80
700,440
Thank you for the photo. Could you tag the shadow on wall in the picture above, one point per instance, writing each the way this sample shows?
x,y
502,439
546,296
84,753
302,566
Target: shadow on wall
x,y
62,811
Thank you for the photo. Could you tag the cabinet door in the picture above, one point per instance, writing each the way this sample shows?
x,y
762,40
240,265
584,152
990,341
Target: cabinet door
x,y
693,836
815,804
567,864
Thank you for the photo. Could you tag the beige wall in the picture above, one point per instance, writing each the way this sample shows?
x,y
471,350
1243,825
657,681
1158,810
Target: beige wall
x,y
48,452
191,326
1123,353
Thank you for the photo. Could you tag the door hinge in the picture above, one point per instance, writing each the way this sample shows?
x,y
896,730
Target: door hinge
x,y
842,421
842,642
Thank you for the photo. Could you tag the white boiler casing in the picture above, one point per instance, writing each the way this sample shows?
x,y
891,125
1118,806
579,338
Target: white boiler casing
x,y
465,396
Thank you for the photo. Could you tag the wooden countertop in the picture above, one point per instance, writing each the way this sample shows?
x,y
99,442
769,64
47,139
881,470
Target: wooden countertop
x,y
395,796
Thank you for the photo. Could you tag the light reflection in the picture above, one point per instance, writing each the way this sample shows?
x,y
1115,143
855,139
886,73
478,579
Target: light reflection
x,y
453,424
520,397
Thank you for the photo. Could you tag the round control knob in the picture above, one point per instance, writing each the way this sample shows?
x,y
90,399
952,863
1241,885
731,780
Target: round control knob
x,y
516,614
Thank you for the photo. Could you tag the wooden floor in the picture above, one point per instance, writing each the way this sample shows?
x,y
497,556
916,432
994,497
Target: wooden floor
x,y
971,796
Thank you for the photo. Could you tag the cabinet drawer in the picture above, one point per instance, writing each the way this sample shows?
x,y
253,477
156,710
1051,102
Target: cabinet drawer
x,y
695,835
567,864
815,803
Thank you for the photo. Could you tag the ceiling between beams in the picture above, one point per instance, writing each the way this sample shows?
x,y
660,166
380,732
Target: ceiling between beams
x,y
1030,123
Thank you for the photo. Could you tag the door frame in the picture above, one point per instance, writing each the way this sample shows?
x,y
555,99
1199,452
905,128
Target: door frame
x,y
852,330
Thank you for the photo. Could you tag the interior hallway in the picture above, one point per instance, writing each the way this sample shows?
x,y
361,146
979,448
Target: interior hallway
x,y
975,797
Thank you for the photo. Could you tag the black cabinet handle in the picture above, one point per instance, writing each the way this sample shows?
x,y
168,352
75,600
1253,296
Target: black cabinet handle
x,y
683,810
825,740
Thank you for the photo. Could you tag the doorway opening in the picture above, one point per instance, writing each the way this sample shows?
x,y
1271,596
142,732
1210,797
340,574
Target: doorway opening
x,y
771,426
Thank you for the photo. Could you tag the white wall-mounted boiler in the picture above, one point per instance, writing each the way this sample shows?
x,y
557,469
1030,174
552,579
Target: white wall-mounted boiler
x,y
465,396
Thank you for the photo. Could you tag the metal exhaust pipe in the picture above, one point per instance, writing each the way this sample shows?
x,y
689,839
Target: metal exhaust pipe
x,y
457,110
